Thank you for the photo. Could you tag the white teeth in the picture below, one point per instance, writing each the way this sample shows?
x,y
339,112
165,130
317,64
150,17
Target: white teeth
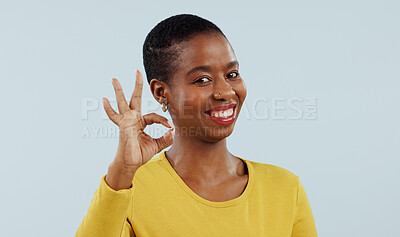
x,y
222,114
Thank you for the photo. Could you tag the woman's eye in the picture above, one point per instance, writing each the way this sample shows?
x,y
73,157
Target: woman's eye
x,y
200,80
233,74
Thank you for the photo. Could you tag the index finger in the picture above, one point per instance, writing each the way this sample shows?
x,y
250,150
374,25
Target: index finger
x,y
136,99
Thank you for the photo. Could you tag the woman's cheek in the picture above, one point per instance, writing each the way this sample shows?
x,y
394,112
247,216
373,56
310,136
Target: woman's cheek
x,y
187,105
241,90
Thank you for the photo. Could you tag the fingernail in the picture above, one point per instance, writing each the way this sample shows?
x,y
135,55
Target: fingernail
x,y
171,124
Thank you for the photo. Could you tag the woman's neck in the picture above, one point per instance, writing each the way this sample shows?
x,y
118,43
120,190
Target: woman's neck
x,y
202,162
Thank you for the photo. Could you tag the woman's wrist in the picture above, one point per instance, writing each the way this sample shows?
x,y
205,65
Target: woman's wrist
x,y
119,176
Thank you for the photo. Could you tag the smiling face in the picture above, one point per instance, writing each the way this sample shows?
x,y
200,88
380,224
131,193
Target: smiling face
x,y
205,88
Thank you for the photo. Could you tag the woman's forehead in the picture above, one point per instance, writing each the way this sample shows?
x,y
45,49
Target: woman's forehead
x,y
206,49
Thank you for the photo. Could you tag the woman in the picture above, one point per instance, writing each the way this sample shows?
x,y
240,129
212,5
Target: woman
x,y
197,187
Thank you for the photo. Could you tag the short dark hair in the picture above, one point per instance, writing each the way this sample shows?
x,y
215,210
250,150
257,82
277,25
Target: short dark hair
x,y
161,49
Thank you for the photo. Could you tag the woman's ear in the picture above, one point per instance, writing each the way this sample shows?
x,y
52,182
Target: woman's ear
x,y
159,90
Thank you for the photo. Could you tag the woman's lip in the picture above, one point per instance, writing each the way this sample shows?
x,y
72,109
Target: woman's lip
x,y
224,121
222,108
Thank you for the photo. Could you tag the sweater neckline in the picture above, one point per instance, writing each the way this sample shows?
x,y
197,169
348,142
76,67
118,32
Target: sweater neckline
x,y
190,192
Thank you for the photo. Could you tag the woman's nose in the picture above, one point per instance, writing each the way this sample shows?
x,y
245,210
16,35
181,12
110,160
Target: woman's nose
x,y
223,90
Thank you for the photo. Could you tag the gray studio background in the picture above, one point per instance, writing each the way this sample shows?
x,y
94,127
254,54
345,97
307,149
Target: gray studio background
x,y
323,102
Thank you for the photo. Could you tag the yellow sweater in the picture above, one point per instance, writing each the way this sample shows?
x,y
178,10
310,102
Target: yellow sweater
x,y
159,203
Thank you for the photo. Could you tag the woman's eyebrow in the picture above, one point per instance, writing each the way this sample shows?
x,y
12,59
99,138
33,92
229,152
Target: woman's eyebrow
x,y
199,68
208,68
233,63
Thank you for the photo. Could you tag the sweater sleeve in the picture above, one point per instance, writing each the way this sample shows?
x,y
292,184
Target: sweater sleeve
x,y
303,225
107,214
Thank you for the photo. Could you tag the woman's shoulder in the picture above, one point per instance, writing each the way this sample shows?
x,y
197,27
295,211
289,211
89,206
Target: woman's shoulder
x,y
273,173
155,161
151,168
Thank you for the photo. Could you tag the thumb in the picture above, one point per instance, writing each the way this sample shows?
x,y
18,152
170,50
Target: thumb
x,y
166,140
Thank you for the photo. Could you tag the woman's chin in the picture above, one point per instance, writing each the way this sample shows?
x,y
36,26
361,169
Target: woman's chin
x,y
216,134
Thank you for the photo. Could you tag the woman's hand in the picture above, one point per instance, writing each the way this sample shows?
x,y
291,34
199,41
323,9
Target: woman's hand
x,y
135,147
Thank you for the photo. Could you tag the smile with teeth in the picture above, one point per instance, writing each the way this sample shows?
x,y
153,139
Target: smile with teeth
x,y
222,114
